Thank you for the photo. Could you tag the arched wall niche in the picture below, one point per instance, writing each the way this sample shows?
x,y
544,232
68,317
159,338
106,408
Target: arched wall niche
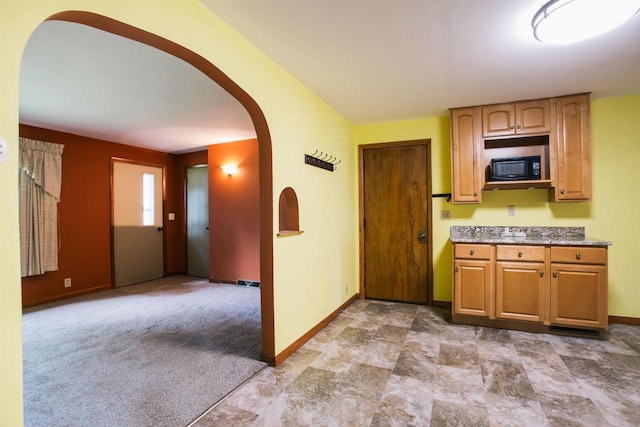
x,y
264,146
288,213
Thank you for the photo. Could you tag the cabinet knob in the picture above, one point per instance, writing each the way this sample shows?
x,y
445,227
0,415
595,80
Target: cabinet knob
x,y
542,274
519,254
578,256
457,269
475,194
472,252
562,191
555,274
512,127
518,127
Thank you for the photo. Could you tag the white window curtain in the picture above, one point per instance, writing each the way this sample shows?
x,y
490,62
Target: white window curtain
x,y
40,183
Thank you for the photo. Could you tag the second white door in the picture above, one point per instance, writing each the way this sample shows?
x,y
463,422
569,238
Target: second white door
x,y
198,221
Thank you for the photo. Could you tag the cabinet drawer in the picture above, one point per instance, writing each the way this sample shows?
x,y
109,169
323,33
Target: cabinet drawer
x,y
520,253
472,251
579,254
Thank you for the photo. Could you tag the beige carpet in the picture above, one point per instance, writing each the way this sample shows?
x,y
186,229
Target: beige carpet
x,y
154,354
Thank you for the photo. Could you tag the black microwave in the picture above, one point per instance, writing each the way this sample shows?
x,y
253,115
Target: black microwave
x,y
515,168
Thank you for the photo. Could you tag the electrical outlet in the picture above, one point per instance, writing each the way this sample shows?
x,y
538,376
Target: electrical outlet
x,y
445,214
511,210
67,282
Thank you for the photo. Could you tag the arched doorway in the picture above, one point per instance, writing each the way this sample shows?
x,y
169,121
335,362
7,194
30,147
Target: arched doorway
x,y
264,146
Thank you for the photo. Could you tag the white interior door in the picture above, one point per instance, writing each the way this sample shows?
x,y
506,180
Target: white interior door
x,y
138,229
198,221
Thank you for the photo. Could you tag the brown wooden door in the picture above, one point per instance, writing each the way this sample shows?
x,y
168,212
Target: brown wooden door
x,y
397,235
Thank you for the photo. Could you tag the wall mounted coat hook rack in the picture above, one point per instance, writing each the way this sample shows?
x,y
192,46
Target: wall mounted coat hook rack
x,y
322,160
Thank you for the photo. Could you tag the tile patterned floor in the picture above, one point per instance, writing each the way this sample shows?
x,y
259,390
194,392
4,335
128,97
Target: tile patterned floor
x,y
389,364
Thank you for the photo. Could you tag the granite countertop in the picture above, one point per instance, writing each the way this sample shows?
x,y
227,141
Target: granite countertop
x,y
524,235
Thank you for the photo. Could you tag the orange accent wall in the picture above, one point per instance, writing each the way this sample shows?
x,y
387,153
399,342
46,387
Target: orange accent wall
x,y
234,212
84,213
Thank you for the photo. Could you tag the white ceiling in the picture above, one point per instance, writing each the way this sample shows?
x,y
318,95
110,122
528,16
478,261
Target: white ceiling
x,y
372,60
85,81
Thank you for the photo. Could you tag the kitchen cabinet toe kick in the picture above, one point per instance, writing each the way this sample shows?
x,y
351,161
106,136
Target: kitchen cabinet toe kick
x,y
524,326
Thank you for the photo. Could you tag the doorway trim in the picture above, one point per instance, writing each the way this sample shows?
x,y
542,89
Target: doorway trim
x,y
361,232
264,148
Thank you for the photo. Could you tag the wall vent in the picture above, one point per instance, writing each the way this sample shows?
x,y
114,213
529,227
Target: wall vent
x,y
248,283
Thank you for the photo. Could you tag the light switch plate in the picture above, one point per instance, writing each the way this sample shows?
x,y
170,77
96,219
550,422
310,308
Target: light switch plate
x,y
172,216
3,151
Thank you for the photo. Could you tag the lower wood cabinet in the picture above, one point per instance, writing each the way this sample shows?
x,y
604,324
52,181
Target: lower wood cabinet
x,y
473,271
560,289
579,287
520,291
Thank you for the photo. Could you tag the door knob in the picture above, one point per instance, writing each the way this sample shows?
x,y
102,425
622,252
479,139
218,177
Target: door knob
x,y
160,228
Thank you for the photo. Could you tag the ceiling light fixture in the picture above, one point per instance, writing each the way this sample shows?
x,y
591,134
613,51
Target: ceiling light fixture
x,y
570,21
230,169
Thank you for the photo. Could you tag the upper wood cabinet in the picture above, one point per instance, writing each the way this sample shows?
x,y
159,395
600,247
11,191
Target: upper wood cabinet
x,y
556,129
466,155
573,166
519,118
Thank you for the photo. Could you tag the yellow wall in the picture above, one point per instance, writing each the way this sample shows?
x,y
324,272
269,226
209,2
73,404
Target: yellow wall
x,y
308,282
612,215
311,270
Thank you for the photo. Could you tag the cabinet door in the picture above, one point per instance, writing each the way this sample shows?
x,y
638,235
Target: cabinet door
x,y
533,117
467,174
520,291
520,118
573,156
579,295
473,288
498,120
